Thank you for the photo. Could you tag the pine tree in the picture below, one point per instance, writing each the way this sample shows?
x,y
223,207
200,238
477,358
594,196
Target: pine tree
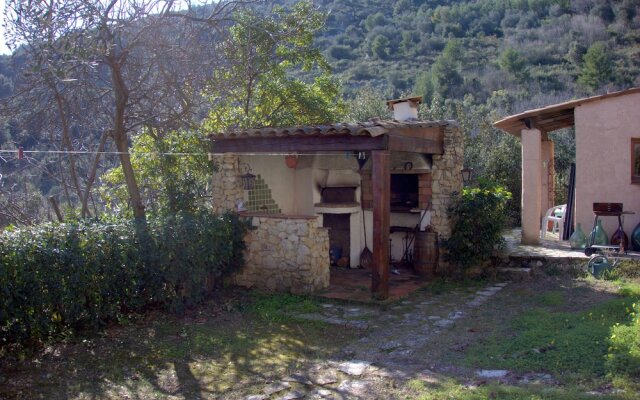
x,y
597,69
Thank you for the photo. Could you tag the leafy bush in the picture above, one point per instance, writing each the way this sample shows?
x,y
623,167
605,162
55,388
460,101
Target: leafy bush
x,y
66,277
478,220
380,47
623,359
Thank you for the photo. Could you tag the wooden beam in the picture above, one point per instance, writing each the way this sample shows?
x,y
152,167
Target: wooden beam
x,y
432,132
381,182
528,122
550,127
564,118
415,145
290,144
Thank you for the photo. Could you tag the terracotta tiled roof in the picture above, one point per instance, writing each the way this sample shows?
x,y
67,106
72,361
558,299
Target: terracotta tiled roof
x,y
370,128
553,117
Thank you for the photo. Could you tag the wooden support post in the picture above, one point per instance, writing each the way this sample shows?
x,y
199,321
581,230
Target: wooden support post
x,y
381,182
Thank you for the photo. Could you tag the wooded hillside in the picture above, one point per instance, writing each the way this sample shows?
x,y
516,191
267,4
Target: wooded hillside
x,y
537,49
473,61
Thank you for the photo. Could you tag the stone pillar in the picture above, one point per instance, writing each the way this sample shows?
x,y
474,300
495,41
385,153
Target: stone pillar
x,y
226,184
531,185
446,178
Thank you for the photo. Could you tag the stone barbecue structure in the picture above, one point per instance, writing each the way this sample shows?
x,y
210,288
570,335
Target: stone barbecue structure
x,y
336,189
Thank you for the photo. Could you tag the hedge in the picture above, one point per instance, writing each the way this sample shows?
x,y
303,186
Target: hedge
x,y
58,278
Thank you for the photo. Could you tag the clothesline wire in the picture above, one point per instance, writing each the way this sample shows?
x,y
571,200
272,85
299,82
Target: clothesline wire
x,y
87,152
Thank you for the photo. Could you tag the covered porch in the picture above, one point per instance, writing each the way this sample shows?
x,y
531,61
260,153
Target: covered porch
x,y
354,285
605,130
374,143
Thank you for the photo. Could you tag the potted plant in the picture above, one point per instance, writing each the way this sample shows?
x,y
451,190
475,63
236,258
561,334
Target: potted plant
x,y
291,160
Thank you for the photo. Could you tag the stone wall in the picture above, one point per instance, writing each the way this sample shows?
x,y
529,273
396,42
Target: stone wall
x,y
286,254
446,178
226,184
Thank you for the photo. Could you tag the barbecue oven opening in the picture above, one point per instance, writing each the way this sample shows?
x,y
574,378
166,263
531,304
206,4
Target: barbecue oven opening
x,y
404,192
338,196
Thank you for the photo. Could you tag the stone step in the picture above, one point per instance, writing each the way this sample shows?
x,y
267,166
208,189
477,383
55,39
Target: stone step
x,y
514,274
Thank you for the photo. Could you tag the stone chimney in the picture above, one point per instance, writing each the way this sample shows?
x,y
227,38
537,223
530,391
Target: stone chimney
x,y
405,109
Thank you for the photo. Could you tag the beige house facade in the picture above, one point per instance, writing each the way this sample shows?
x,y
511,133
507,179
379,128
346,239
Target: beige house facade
x,y
607,131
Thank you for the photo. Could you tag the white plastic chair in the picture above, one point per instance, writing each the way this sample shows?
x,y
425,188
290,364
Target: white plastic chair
x,y
558,221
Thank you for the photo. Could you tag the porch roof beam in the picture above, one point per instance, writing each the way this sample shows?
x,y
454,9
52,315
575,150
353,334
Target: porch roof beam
x,y
289,144
326,143
415,145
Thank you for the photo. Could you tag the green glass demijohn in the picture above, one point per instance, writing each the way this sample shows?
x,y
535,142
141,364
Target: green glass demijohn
x,y
635,238
601,237
578,239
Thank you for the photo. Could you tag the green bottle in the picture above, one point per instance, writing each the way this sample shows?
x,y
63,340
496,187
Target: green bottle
x,y
601,237
578,239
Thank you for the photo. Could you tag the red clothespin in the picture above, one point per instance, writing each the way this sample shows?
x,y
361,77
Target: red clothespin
x,y
20,153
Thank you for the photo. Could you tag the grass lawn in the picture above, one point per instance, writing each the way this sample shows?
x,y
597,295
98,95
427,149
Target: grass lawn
x,y
581,334
217,351
578,335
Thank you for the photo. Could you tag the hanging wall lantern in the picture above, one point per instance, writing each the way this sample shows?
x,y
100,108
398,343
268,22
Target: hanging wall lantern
x,y
248,179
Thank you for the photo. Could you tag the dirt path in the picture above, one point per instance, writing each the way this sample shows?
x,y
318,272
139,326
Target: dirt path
x,y
390,347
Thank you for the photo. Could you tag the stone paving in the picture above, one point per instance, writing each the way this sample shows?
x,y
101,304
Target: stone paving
x,y
548,248
388,348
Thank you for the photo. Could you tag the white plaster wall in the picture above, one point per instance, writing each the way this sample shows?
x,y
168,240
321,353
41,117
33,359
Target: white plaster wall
x,y
303,196
603,159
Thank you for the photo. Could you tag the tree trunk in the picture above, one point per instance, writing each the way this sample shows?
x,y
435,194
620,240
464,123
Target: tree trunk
x,y
122,145
92,174
66,139
121,97
65,187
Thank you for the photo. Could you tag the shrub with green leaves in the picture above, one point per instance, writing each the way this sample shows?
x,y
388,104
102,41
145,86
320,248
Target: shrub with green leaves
x,y
67,277
479,216
623,358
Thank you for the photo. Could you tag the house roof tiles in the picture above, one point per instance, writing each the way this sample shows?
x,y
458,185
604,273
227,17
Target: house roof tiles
x,y
370,128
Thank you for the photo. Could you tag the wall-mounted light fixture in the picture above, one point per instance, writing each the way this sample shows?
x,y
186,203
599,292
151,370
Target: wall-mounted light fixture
x,y
467,174
248,179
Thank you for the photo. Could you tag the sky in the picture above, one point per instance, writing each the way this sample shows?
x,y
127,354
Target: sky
x,y
3,47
